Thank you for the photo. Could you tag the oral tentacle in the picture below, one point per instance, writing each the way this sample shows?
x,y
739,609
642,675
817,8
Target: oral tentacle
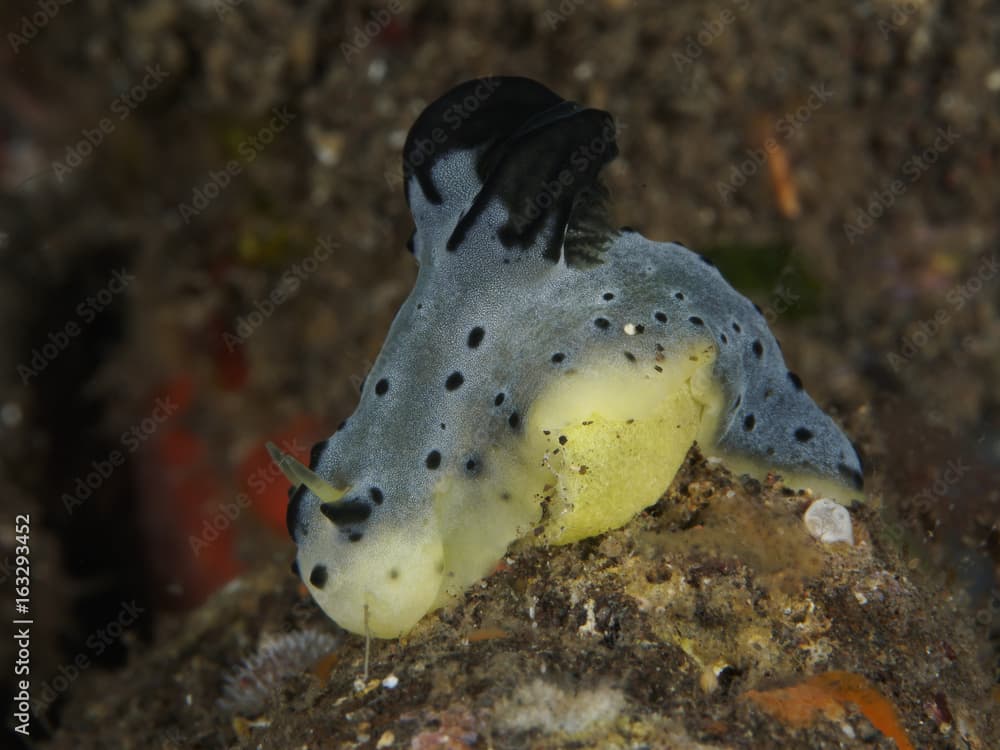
x,y
297,474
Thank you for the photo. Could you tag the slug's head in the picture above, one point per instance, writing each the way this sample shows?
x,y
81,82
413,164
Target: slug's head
x,y
368,569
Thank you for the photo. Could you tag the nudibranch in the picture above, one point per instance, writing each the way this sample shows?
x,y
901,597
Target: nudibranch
x,y
546,376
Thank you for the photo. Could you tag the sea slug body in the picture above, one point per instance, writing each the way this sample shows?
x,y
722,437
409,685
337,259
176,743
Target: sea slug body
x,y
547,370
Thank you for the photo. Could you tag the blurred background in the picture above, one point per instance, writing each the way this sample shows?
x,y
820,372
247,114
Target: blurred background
x,y
202,244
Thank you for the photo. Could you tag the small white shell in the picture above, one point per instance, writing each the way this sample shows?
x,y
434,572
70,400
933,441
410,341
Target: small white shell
x,y
829,522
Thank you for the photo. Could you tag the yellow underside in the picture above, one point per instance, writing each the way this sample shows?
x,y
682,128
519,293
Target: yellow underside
x,y
613,438
599,445
625,430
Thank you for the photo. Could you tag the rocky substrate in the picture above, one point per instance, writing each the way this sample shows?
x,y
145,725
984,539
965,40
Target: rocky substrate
x,y
713,620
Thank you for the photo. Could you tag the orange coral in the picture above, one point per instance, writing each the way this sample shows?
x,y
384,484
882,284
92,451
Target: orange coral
x,y
825,695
